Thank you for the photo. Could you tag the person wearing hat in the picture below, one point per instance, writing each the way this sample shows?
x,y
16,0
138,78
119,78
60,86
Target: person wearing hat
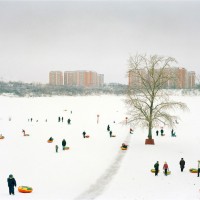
x,y
198,168
11,184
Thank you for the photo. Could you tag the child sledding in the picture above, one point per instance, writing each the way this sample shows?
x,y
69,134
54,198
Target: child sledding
x,y
84,135
24,133
124,146
50,140
173,134
1,136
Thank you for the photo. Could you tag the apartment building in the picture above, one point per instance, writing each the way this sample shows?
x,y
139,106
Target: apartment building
x,y
76,78
55,78
83,78
180,78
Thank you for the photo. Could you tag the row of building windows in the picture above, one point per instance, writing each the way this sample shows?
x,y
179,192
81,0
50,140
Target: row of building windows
x,y
180,78
76,78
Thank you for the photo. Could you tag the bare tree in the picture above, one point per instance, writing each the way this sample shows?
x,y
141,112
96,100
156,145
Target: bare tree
x,y
148,103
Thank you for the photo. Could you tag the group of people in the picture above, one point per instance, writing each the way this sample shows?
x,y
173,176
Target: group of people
x,y
61,119
173,134
161,132
64,143
166,167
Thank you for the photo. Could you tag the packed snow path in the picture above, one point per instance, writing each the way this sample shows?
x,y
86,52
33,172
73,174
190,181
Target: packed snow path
x,y
97,189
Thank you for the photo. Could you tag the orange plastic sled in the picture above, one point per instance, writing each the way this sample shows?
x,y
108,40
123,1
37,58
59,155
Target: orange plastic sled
x,y
25,189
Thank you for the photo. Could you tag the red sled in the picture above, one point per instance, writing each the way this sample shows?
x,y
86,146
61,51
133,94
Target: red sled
x,y
87,136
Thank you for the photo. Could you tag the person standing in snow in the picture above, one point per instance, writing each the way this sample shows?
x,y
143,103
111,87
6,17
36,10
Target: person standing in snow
x,y
11,184
110,133
182,164
157,132
162,131
108,128
166,168
156,167
56,148
64,143
84,133
23,131
198,168
69,121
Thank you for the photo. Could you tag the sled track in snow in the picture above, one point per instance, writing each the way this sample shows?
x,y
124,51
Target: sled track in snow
x,y
97,188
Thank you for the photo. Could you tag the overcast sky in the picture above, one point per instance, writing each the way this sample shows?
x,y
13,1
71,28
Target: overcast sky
x,y
37,37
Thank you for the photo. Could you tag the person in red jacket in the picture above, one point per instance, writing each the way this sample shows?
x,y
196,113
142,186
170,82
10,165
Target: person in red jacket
x,y
166,168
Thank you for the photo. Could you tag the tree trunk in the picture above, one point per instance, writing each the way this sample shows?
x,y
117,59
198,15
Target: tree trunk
x,y
150,140
150,130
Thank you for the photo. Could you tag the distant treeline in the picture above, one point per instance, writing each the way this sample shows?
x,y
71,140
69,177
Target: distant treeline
x,y
36,90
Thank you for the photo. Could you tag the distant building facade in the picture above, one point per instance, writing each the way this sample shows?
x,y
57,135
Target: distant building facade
x,y
181,78
55,78
83,78
79,78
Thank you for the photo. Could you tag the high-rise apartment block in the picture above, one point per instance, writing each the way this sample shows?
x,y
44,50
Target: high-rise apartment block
x,y
181,78
56,78
81,78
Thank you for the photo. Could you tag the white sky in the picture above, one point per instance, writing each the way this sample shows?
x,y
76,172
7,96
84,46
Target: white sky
x,y
37,37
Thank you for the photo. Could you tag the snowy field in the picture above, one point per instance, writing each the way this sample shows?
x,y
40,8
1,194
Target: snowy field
x,y
96,167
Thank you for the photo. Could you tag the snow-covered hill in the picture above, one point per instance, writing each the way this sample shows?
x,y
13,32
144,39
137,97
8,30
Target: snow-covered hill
x,y
96,167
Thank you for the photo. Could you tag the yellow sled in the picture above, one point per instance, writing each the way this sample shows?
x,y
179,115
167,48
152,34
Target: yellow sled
x,y
193,170
153,170
168,172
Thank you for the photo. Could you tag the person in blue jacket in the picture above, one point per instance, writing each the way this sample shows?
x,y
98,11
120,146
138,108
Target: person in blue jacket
x,y
11,184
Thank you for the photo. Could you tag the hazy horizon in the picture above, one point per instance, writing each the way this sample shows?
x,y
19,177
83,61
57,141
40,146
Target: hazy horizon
x,y
37,37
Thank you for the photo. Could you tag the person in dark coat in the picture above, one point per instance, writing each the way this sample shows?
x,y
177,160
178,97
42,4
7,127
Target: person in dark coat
x,y
84,133
124,145
108,128
182,164
198,169
157,132
110,133
69,121
64,143
162,132
11,184
56,148
156,167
